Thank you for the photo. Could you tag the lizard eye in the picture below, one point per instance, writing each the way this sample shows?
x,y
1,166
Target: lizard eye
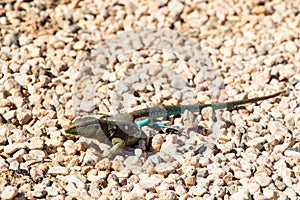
x,y
126,127
115,127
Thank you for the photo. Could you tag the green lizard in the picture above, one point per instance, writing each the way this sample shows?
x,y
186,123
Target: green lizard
x,y
124,129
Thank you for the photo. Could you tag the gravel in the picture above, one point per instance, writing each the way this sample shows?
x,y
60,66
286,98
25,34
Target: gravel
x,y
61,60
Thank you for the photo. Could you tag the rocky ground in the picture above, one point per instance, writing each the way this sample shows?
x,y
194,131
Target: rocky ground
x,y
64,59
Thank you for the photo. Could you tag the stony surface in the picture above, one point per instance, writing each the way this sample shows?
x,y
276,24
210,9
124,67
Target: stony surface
x,y
61,59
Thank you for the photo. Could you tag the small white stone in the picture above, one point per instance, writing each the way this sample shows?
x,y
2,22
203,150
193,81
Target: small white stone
x,y
277,127
286,144
290,193
24,39
11,148
14,165
291,47
256,142
240,174
37,154
58,170
139,191
218,191
112,77
150,183
164,169
292,154
287,181
280,185
72,191
180,190
35,143
241,194
139,86
130,196
263,181
168,194
35,52
175,7
54,190
79,45
268,193
296,188
289,119
197,190
9,115
69,147
9,193
178,83
156,143
284,172
204,161
252,187
87,106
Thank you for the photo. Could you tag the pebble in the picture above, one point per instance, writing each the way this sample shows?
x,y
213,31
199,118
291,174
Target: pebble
x,y
291,47
14,165
35,143
168,194
37,155
218,191
263,181
58,170
241,174
291,194
180,190
280,185
11,148
164,169
54,190
9,192
139,191
241,194
87,106
10,115
24,40
253,188
149,183
292,154
256,142
197,190
129,196
277,127
80,45
69,147
157,141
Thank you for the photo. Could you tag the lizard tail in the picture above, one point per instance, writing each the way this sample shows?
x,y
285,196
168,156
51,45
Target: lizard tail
x,y
245,101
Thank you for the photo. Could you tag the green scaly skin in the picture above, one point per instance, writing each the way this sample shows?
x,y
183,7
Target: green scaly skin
x,y
123,130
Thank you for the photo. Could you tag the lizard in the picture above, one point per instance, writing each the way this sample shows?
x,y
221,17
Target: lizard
x,y
125,129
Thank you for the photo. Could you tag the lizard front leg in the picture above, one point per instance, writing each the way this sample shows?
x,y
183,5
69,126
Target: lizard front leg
x,y
118,144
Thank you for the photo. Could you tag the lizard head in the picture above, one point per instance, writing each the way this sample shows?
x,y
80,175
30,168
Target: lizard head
x,y
86,126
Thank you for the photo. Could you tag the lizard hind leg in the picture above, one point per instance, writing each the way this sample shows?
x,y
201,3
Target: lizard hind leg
x,y
118,144
166,128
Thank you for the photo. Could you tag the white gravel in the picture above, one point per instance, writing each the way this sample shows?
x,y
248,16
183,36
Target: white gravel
x,y
59,60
